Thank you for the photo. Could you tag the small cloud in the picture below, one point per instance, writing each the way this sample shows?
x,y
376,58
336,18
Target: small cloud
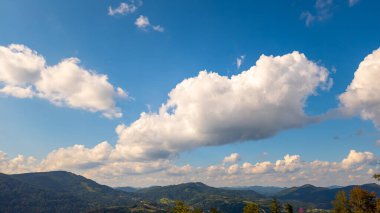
x,y
351,3
239,61
158,28
377,143
123,9
142,22
323,9
233,158
309,18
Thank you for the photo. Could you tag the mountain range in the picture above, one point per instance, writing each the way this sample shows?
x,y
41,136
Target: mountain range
x,y
61,191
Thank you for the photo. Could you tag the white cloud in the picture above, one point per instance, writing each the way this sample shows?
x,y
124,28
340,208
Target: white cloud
x,y
19,65
290,163
123,9
142,22
239,61
363,94
233,158
77,157
355,158
258,168
19,164
97,164
210,109
18,92
68,84
24,74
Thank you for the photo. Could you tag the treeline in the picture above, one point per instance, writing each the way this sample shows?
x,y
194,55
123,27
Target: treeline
x,y
358,201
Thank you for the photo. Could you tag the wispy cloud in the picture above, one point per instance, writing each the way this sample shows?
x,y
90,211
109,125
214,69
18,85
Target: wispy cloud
x,y
323,9
142,22
124,8
239,61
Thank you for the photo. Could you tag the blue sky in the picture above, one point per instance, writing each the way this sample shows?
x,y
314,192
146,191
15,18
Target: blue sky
x,y
195,35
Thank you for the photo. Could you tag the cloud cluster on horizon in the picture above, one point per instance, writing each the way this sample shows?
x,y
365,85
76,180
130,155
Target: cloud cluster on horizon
x,y
356,167
24,74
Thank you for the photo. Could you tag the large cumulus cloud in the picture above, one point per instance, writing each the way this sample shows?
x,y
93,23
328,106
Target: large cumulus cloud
x,y
211,109
24,74
362,96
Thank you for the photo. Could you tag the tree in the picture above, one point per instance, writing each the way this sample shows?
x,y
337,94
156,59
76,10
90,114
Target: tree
x,y
288,208
181,207
376,176
340,203
275,206
251,208
197,210
377,205
213,210
362,201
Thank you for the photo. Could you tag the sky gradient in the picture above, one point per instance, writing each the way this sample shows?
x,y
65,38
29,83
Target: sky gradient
x,y
160,92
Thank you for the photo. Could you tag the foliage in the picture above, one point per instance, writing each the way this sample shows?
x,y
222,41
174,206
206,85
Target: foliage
x,y
181,207
275,206
251,207
362,201
340,204
288,208
213,210
376,176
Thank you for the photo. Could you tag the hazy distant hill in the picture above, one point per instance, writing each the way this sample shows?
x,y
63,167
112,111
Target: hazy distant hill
x,y
264,190
128,189
320,197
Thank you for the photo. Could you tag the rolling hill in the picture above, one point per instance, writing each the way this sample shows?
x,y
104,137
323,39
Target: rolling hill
x,y
319,197
200,195
61,191
58,192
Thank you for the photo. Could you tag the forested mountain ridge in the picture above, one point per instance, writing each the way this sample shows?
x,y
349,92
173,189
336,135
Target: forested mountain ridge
x,y
61,191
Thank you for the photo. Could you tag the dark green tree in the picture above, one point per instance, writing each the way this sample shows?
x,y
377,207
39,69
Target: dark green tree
x,y
251,207
275,206
288,208
362,201
340,203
